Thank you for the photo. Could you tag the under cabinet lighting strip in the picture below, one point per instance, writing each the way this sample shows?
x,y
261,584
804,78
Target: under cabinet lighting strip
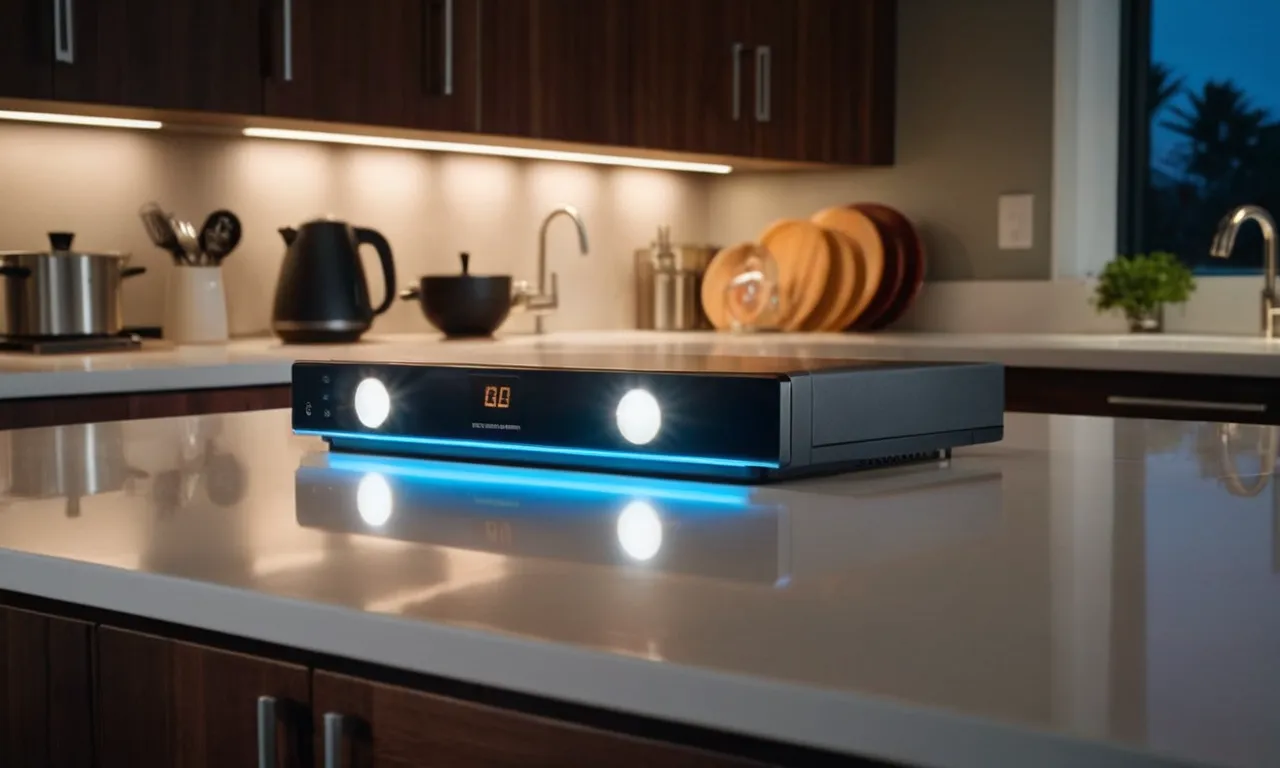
x,y
485,149
98,122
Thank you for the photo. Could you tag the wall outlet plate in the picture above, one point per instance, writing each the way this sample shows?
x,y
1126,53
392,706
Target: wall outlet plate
x,y
1015,222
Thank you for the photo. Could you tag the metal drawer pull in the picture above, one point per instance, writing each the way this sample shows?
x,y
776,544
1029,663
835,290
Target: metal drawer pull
x,y
764,83
333,725
1163,402
266,732
448,48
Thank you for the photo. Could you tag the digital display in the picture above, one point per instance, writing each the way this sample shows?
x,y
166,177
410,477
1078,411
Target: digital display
x,y
496,404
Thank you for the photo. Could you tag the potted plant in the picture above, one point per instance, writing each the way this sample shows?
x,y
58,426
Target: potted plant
x,y
1141,285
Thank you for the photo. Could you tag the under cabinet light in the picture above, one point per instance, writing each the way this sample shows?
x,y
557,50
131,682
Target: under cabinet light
x,y
485,149
99,122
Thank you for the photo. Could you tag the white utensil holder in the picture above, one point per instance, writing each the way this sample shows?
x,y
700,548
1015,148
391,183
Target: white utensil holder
x,y
196,306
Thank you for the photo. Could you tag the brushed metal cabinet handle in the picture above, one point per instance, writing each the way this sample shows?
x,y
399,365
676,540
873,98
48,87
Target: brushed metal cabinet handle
x,y
764,83
736,51
447,90
64,41
266,732
1203,405
333,726
286,10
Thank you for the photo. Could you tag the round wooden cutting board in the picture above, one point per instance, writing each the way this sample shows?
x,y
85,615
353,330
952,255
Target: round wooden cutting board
x,y
803,254
870,254
724,266
911,252
843,284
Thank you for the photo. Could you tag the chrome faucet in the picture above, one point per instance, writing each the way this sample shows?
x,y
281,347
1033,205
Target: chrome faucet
x,y
543,302
1225,241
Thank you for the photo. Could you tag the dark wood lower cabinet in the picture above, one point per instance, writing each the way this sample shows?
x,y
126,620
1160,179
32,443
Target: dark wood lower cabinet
x,y
46,712
166,703
385,726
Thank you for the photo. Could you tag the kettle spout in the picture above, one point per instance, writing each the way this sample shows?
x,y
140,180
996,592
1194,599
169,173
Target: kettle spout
x,y
289,234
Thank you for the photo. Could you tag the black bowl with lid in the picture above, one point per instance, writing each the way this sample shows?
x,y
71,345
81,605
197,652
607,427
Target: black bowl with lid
x,y
463,305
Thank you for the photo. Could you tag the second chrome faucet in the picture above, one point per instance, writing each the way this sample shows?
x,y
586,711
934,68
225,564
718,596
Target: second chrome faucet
x,y
543,302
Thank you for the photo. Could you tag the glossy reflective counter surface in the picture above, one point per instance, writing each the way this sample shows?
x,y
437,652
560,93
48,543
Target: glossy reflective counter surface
x,y
1086,592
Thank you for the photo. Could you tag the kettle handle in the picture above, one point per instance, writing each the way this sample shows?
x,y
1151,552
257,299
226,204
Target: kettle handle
x,y
373,237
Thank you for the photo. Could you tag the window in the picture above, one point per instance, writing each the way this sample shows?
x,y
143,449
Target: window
x,y
1202,126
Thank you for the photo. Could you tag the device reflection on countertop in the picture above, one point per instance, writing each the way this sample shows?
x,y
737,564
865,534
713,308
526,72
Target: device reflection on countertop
x,y
768,536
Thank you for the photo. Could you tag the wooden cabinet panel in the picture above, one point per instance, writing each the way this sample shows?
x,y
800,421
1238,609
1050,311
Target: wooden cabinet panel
x,y
831,80
26,57
407,63
690,75
389,726
164,703
46,713
166,54
556,69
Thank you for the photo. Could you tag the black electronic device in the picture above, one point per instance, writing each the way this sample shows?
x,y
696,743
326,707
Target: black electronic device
x,y
742,418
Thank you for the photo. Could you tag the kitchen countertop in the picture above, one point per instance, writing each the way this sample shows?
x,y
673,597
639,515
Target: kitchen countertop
x,y
265,361
1087,592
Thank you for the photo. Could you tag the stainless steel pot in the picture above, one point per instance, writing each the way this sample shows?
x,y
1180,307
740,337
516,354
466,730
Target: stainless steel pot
x,y
63,293
70,461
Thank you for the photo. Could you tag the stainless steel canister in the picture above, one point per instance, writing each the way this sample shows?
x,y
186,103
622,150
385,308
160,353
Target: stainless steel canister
x,y
669,287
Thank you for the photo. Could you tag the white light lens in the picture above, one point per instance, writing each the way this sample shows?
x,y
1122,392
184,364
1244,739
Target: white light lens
x,y
640,530
639,417
486,149
373,499
98,122
373,404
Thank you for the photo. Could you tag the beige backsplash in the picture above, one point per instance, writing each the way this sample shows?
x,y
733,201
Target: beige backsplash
x,y
430,207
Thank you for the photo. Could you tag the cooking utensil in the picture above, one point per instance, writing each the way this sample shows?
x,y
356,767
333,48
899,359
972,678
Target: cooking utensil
x,y
63,293
871,250
219,236
803,254
906,242
188,240
668,284
322,294
156,222
463,305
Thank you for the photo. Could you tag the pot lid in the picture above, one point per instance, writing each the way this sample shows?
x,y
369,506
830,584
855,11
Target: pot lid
x,y
465,274
60,245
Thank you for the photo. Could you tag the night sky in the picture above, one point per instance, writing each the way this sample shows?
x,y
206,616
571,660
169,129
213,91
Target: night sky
x,y
1217,39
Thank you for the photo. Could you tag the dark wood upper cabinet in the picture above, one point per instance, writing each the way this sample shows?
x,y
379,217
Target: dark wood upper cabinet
x,y
46,712
556,69
163,703
690,75
384,726
164,54
822,80
26,57
405,63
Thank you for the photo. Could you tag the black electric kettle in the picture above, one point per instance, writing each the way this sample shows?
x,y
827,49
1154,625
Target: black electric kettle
x,y
322,295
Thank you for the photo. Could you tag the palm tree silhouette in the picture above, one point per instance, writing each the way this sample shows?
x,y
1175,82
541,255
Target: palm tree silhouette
x,y
1223,130
1161,87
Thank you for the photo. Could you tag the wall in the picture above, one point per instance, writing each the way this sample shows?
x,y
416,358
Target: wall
x,y
974,120
429,206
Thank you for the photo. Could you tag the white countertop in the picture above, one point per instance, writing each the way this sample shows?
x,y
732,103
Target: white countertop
x,y
257,362
1087,592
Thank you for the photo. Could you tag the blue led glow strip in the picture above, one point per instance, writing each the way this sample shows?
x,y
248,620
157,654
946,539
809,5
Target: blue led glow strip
x,y
553,479
655,458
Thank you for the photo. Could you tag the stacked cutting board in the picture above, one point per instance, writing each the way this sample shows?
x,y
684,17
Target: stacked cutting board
x,y
853,267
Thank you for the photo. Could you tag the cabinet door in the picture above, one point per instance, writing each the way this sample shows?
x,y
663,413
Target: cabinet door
x,y
166,54
384,726
46,693
164,703
690,75
407,63
822,80
26,57
556,69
